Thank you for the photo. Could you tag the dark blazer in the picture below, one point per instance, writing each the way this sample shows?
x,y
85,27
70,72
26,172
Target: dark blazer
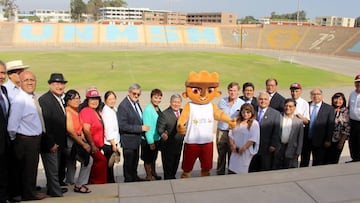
x,y
269,131
254,101
277,102
4,136
55,122
167,122
296,137
323,126
130,125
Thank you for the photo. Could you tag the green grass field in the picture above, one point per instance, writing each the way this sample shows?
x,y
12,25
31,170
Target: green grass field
x,y
116,70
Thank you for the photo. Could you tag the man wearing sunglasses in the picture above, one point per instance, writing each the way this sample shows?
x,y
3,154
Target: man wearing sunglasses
x,y
131,129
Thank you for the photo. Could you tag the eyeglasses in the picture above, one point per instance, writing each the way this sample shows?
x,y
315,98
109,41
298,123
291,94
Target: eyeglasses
x,y
136,94
76,98
28,80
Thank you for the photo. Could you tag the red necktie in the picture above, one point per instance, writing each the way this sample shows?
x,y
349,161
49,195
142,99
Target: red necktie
x,y
177,114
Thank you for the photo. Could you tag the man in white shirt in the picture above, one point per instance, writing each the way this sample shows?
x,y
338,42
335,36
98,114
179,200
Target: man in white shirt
x,y
302,106
25,126
292,132
354,110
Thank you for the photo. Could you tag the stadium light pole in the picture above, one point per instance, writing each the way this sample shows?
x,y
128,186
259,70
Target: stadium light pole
x,y
298,12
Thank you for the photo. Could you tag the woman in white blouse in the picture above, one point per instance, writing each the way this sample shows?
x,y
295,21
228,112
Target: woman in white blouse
x,y
244,140
111,129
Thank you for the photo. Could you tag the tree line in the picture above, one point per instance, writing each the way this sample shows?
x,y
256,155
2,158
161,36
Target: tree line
x,y
77,7
295,16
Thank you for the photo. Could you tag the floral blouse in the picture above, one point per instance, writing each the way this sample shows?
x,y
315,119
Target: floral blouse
x,y
342,124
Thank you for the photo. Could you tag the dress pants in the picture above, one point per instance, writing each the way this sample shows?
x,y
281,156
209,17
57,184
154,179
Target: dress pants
x,y
14,171
4,176
354,140
131,161
318,154
27,151
262,162
51,163
305,152
281,161
110,170
170,162
333,153
223,149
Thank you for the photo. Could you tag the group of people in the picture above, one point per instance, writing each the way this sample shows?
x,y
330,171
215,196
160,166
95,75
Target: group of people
x,y
271,133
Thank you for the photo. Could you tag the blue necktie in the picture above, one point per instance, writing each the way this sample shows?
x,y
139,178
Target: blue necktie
x,y
312,120
260,115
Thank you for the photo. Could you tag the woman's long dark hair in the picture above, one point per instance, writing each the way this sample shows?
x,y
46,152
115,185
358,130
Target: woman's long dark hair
x,y
246,107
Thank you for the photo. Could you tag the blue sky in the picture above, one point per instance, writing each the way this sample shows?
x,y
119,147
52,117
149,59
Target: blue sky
x,y
256,8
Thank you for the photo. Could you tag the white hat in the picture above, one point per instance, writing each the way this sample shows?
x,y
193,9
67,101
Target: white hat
x,y
15,65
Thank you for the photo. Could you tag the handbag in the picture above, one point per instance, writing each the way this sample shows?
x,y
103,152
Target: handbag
x,y
80,154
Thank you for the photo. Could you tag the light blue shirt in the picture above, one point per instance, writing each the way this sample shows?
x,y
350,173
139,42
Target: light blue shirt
x,y
12,90
231,111
24,117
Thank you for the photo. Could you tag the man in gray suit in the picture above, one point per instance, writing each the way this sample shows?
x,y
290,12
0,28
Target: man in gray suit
x,y
292,132
269,120
171,142
131,127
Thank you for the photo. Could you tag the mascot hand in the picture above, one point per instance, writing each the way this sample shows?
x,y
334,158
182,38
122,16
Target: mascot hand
x,y
181,129
232,123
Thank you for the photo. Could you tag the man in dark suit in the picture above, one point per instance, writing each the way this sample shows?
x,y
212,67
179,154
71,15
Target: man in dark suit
x,y
131,127
276,99
171,142
4,136
269,120
248,90
292,133
319,130
54,140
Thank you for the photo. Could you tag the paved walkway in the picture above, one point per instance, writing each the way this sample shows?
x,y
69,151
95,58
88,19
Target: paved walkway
x,y
332,183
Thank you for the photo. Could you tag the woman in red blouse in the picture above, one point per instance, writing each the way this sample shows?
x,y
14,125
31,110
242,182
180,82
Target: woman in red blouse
x,y
94,132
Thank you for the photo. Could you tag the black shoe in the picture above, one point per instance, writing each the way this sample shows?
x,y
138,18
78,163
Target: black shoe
x,y
62,183
156,177
64,190
8,201
16,199
138,179
38,196
38,188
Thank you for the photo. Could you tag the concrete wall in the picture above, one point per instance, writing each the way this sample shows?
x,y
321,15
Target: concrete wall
x,y
320,40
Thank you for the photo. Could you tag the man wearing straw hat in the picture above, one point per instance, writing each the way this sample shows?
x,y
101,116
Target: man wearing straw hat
x,y
13,69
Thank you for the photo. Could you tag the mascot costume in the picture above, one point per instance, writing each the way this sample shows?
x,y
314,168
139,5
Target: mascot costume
x,y
196,121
